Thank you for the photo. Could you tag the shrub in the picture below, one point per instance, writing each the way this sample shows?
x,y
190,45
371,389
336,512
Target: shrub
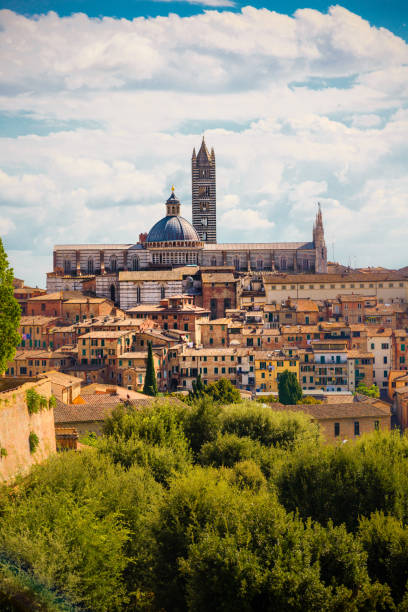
x,y
33,441
269,427
36,402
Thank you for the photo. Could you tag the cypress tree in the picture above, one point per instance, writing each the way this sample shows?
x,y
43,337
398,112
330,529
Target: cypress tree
x,y
150,383
9,313
290,391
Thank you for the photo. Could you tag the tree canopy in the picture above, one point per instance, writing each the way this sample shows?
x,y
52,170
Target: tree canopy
x,y
236,507
10,313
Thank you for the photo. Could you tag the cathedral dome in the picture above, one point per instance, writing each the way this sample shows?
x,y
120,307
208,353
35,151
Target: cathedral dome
x,y
172,226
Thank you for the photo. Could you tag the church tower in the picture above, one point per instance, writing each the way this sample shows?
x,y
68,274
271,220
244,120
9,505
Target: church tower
x,y
203,194
319,243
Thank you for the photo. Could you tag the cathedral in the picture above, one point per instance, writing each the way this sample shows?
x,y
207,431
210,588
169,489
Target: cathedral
x,y
169,256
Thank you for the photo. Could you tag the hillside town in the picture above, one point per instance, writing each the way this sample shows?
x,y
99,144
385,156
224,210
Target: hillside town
x,y
244,312
247,328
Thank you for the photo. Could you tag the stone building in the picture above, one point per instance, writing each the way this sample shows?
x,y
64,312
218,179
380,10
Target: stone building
x,y
115,271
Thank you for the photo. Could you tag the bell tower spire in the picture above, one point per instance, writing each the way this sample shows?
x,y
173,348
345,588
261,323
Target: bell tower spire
x,y
319,242
204,193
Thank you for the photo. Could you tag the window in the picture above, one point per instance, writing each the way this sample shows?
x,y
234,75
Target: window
x,y
113,264
204,236
204,221
90,266
337,429
376,425
162,292
135,263
215,370
138,294
385,360
356,428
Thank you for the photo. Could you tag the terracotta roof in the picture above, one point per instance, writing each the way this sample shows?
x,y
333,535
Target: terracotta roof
x,y
218,277
86,300
333,278
322,412
105,334
100,406
61,379
57,295
356,354
306,305
371,333
37,320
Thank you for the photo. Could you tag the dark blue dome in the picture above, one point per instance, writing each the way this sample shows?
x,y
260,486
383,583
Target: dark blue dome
x,y
171,228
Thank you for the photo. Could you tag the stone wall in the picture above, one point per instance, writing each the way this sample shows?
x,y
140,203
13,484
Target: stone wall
x,y
15,426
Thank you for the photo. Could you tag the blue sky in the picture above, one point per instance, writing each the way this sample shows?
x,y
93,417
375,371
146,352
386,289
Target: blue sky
x,y
102,103
391,14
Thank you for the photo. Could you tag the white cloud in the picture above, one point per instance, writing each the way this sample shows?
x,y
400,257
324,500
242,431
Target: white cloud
x,y
299,109
242,220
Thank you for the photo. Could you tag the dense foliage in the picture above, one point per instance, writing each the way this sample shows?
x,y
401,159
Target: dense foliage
x,y
290,392
10,313
212,507
372,391
220,392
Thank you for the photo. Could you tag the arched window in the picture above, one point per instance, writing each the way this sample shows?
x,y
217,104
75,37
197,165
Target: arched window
x,y
67,266
112,293
236,263
113,264
138,294
162,293
90,266
213,261
283,263
135,263
259,264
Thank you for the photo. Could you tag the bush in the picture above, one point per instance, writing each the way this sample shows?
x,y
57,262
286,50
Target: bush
x,y
33,441
268,427
36,402
227,450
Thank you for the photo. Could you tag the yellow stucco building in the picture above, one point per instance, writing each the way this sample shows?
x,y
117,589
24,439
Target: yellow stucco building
x,y
269,366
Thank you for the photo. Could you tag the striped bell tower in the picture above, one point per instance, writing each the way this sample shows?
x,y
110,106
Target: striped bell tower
x,y
203,194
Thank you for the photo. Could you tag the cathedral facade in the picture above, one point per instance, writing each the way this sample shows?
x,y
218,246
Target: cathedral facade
x,y
175,249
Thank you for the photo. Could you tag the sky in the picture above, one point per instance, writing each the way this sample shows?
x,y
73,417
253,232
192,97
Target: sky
x,y
102,103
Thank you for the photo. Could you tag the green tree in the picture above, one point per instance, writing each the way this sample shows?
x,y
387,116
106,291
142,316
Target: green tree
x,y
223,392
150,383
9,313
372,391
289,389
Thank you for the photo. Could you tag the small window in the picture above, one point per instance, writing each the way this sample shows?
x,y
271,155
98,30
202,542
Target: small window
x,y
376,425
356,428
336,430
